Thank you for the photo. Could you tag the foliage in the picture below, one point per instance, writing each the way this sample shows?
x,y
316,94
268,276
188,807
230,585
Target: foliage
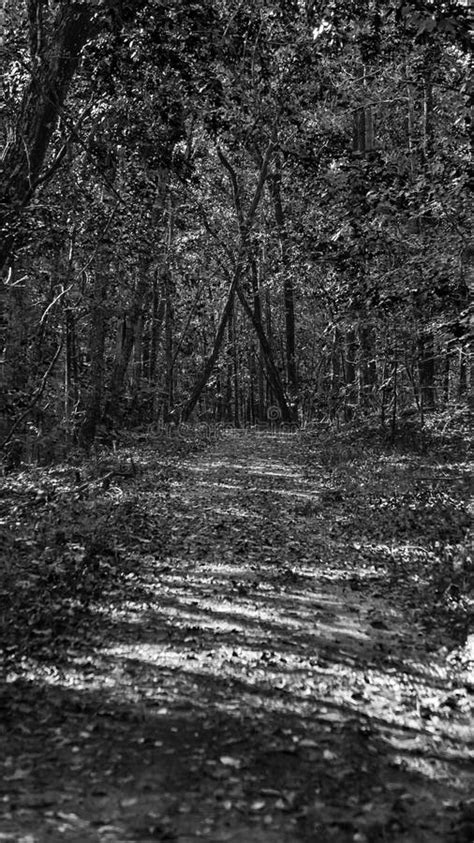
x,y
357,263
253,216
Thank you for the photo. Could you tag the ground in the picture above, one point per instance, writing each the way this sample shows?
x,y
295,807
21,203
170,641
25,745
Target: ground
x,y
263,639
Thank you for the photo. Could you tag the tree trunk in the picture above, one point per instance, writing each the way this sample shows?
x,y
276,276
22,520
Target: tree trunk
x,y
71,367
245,224
363,120
350,372
368,368
426,370
288,289
158,314
169,341
393,422
93,402
462,384
235,369
251,414
138,353
122,359
229,382
287,412
336,361
446,376
428,104
53,68
54,59
16,315
212,358
254,314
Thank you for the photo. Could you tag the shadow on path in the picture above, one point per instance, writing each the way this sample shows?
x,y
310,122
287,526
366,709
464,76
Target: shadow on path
x,y
243,690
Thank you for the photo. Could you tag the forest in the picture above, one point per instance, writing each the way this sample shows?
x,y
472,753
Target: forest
x,y
213,209
236,576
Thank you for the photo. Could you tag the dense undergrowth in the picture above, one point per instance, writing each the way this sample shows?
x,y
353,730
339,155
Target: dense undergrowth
x,y
396,511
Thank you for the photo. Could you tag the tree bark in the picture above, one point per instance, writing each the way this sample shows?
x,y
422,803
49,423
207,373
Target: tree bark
x,y
54,59
288,289
93,402
368,368
350,372
234,369
54,65
462,383
446,375
169,345
158,314
336,366
124,353
212,358
426,370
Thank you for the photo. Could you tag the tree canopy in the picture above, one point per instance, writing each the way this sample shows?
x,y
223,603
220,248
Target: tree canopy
x,y
231,211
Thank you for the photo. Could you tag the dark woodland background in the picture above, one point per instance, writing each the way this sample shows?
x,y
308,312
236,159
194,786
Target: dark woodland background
x,y
232,212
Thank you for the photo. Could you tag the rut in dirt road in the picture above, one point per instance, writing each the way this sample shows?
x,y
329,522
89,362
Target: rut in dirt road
x,y
256,684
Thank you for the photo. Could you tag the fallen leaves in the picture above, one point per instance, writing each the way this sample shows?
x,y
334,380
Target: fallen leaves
x,y
263,659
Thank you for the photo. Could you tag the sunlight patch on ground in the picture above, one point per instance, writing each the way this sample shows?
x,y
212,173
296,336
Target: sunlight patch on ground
x,y
228,616
73,677
285,682
266,468
311,494
223,571
273,471
235,511
301,617
234,487
252,603
203,467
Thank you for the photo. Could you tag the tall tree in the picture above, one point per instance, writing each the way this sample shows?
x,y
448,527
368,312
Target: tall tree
x,y
55,42
54,52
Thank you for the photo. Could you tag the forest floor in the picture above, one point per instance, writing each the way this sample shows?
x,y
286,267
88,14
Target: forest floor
x,y
264,639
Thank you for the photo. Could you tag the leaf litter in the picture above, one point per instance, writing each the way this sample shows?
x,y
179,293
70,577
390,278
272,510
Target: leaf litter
x,y
260,637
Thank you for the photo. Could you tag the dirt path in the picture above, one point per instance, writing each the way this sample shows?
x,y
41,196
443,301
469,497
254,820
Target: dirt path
x,y
254,686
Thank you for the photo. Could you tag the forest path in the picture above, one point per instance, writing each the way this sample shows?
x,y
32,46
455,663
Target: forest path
x,y
255,683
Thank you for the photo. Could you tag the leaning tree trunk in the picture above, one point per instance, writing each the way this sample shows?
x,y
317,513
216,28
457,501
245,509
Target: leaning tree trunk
x,y
245,225
53,68
213,357
246,249
287,413
54,59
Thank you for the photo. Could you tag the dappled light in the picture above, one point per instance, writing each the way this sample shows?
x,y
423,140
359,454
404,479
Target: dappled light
x,y
254,656
236,573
